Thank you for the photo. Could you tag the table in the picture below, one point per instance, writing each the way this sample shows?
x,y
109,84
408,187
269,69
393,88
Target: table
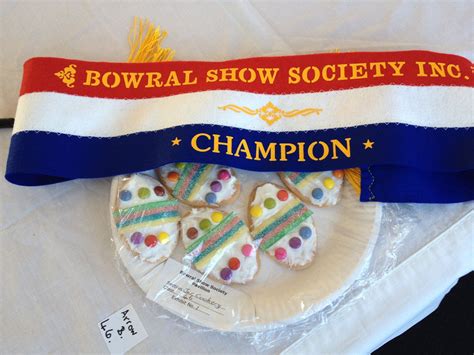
x,y
57,267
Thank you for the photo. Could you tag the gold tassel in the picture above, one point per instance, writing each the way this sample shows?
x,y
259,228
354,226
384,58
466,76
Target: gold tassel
x,y
145,40
353,176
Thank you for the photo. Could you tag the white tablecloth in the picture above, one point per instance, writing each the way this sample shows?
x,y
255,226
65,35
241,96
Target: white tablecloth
x,y
57,267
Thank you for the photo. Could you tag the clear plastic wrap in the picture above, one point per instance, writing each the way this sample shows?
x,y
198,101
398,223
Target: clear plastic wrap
x,y
358,243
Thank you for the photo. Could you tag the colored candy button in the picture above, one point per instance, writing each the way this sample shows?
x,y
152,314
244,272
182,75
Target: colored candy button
x,y
280,253
125,195
136,238
163,237
338,173
247,250
173,176
305,232
328,183
159,191
192,233
317,193
205,224
150,241
282,195
269,203
223,174
216,186
217,217
211,198
226,274
143,192
295,242
234,263
256,211
180,166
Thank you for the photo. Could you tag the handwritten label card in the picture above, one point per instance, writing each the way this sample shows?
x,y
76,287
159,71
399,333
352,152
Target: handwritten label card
x,y
193,296
122,330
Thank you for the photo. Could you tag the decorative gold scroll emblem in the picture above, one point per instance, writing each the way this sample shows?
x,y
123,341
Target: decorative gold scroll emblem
x,y
271,113
67,75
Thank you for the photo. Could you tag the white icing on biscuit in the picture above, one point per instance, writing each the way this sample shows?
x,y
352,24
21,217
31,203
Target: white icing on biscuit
x,y
299,244
200,194
304,254
159,251
268,191
320,188
220,259
139,221
133,183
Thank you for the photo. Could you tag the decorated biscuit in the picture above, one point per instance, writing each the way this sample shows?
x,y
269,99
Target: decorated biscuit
x,y
146,217
282,225
200,185
319,189
219,244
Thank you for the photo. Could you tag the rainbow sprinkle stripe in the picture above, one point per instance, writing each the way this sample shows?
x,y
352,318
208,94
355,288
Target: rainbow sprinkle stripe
x,y
300,178
218,237
192,176
282,223
159,212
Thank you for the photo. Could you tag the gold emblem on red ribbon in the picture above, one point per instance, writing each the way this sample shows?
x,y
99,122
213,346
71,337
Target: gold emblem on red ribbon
x,y
67,75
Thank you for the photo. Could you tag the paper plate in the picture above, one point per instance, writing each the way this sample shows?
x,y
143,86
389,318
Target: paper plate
x,y
347,234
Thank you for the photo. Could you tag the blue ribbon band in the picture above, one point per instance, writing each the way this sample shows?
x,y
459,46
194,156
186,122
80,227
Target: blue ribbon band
x,y
399,162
